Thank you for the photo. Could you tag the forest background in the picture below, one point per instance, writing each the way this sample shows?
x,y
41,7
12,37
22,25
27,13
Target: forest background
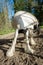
x,y
9,7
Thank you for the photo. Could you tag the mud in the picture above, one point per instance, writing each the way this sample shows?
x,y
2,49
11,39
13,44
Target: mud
x,y
20,57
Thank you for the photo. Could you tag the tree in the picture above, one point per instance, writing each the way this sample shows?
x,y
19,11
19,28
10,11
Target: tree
x,y
4,20
33,6
22,5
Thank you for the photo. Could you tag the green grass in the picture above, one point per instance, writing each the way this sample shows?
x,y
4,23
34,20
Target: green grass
x,y
41,26
4,31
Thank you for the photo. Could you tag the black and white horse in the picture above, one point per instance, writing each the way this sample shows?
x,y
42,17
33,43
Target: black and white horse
x,y
23,21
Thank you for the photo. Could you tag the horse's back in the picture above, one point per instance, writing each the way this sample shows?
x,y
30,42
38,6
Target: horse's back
x,y
24,19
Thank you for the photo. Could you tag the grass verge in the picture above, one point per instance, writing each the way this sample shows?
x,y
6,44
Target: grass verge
x,y
41,26
6,31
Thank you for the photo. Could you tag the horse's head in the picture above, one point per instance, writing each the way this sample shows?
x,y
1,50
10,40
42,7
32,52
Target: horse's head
x,y
37,28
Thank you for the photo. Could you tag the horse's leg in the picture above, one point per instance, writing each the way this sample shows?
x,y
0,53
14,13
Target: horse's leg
x,y
31,38
28,48
11,51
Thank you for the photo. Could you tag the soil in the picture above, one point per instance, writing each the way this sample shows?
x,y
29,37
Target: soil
x,y
20,56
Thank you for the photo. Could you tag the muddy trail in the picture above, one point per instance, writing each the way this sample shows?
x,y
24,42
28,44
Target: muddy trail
x,y
20,57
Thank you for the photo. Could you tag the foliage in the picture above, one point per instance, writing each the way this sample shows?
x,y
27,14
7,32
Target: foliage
x,y
21,5
5,23
29,5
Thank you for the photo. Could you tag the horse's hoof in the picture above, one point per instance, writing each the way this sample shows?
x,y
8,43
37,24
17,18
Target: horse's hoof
x,y
9,53
33,42
30,51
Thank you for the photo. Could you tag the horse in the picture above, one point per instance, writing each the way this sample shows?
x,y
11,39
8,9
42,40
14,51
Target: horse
x,y
26,22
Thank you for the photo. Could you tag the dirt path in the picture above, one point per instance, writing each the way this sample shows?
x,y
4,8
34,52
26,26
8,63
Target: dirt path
x,y
20,57
7,36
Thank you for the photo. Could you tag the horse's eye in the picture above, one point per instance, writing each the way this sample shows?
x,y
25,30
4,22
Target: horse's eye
x,y
35,26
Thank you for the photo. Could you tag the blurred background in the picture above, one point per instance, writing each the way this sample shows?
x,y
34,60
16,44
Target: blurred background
x,y
9,7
